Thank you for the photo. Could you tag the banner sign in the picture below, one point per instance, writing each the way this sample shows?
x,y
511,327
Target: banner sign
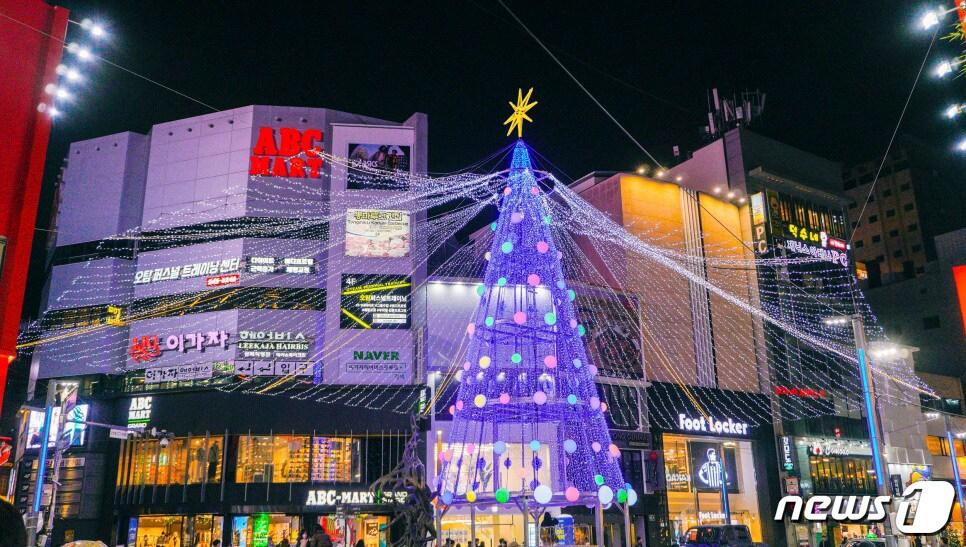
x,y
148,347
267,345
273,368
285,265
372,366
376,233
372,301
371,166
294,153
178,373
187,271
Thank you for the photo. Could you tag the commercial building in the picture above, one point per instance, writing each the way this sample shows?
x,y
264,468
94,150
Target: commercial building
x,y
795,210
917,197
198,291
26,68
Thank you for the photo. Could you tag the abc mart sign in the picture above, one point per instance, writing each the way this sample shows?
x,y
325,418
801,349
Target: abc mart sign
x,y
932,513
712,425
352,497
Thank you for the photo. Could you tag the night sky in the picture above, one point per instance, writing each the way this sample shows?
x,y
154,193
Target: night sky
x,y
836,73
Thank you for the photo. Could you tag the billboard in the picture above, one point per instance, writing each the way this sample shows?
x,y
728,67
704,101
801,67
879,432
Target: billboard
x,y
376,233
613,333
73,426
376,301
375,365
371,166
706,466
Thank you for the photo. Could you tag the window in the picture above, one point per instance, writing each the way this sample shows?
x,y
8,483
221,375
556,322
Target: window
x,y
939,446
876,238
873,219
912,227
859,244
916,248
909,207
336,459
897,253
886,193
931,322
854,224
194,460
273,458
880,258
904,186
890,213
893,233
853,205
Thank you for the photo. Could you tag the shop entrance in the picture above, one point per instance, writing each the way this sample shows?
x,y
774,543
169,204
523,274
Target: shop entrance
x,y
348,530
176,530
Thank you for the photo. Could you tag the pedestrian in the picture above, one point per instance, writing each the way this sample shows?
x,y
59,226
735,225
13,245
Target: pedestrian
x,y
513,543
13,533
304,540
361,543
271,542
324,539
638,543
284,542
216,543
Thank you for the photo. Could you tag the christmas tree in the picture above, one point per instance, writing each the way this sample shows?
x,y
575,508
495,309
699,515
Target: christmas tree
x,y
527,419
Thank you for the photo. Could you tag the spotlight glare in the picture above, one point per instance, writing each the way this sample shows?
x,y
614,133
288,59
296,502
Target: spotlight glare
x,y
943,68
86,24
660,173
72,74
50,89
929,19
61,69
53,112
961,146
84,54
72,47
641,170
953,110
63,94
731,195
717,190
98,31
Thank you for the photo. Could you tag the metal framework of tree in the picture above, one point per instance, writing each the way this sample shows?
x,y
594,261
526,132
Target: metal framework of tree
x,y
528,421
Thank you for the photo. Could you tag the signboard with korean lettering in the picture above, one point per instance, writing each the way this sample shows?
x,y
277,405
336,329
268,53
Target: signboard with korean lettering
x,y
280,265
178,373
377,233
374,301
374,365
186,271
149,347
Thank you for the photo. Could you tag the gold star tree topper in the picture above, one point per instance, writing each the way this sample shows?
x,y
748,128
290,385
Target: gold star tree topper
x,y
520,109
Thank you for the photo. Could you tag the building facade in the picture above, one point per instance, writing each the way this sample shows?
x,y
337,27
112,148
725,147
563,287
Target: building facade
x,y
197,271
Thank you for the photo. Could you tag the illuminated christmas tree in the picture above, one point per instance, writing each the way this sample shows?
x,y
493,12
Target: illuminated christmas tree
x,y
527,419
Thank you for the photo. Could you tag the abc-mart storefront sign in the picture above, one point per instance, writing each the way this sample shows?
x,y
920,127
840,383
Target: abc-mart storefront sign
x,y
712,425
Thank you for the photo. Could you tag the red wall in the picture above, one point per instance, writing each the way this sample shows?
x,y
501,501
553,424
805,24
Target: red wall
x,y
27,65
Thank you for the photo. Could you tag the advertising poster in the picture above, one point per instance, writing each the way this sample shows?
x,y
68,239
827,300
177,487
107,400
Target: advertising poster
x,y
371,166
374,301
613,334
376,233
74,428
706,467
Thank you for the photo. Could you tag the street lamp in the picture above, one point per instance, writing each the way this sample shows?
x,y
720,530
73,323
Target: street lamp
x,y
945,67
933,17
868,392
953,110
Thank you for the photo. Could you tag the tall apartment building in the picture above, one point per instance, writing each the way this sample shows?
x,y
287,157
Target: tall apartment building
x,y
919,195
196,267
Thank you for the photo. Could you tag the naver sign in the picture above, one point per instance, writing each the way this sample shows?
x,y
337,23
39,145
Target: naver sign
x,y
928,516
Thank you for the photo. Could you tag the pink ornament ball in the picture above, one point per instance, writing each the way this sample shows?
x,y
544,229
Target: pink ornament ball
x,y
595,446
573,323
542,247
520,317
572,494
466,365
516,217
533,280
471,448
506,191
559,255
534,190
592,370
603,407
452,410
505,398
550,361
540,397
614,451
459,405
594,402
471,328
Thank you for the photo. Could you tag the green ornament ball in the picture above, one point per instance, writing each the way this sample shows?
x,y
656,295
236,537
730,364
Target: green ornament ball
x,y
502,495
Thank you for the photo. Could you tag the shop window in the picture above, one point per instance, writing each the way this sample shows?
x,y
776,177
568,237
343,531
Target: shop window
x,y
336,459
161,531
876,238
259,528
939,446
890,213
273,458
513,477
183,461
873,219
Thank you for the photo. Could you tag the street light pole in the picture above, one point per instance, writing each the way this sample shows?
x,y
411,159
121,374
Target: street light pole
x,y
871,414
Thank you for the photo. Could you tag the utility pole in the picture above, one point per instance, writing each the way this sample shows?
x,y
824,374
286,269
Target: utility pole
x,y
872,416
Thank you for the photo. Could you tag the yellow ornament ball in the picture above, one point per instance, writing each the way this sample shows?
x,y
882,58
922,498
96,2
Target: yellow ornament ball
x,y
471,496
479,401
484,362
